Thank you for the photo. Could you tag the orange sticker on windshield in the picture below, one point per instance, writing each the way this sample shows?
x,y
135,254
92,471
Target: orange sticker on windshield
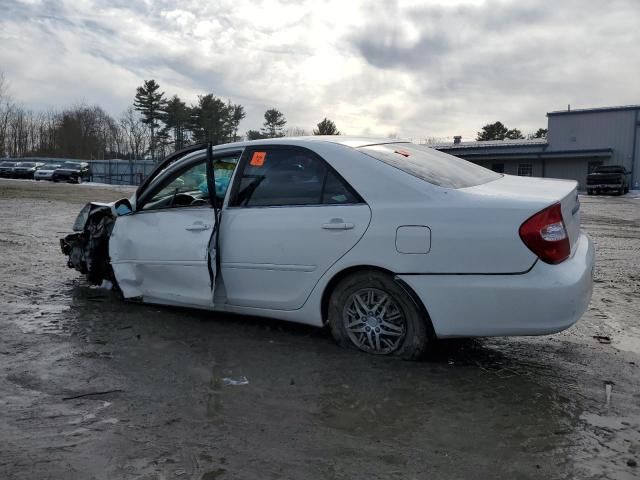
x,y
257,159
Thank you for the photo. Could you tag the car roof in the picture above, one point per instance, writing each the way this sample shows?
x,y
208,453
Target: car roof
x,y
350,141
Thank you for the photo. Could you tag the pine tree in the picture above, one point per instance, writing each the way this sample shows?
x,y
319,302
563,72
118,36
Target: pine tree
x,y
514,134
210,120
176,116
274,123
541,133
493,131
326,127
150,103
254,135
237,113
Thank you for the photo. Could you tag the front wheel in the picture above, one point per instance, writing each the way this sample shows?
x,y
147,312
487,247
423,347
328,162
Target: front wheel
x,y
371,312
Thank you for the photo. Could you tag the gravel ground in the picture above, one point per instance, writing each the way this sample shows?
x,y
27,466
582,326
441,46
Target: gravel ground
x,y
505,408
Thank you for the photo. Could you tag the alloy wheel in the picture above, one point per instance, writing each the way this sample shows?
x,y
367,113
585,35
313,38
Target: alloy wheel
x,y
374,321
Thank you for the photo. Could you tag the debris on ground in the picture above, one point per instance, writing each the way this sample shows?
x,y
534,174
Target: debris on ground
x,y
90,394
229,381
602,339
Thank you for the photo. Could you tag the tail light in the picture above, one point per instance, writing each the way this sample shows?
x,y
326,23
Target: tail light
x,y
546,235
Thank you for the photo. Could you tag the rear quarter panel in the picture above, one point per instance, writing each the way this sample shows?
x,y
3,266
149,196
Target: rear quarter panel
x,y
471,232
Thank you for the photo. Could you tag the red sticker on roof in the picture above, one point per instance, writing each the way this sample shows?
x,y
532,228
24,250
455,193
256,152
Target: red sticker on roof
x,y
257,159
404,153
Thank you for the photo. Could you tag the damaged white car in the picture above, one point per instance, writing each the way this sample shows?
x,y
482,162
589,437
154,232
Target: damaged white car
x,y
389,243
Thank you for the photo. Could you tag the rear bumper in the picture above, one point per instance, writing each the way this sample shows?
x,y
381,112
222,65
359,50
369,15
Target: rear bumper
x,y
547,299
64,177
605,186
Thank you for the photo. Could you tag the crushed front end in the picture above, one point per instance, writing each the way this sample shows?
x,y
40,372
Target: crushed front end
x,y
88,247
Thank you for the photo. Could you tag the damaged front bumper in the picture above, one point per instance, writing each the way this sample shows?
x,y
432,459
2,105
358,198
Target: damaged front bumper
x,y
88,248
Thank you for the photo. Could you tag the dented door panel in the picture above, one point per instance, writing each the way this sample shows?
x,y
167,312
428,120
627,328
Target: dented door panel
x,y
163,256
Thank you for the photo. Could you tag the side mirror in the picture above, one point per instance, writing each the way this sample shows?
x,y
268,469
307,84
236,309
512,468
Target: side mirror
x,y
123,207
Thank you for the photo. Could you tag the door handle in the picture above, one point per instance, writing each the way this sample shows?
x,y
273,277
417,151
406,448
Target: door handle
x,y
197,227
338,226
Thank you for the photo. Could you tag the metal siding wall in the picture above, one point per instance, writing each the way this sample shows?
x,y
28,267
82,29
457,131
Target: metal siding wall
x,y
116,172
569,169
595,130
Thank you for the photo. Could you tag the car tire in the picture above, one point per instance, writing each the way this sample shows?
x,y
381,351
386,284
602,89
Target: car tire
x,y
589,192
397,330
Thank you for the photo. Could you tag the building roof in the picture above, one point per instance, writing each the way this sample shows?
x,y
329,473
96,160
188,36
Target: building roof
x,y
534,142
595,110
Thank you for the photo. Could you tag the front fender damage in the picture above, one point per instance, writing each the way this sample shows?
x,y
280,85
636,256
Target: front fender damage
x,y
88,248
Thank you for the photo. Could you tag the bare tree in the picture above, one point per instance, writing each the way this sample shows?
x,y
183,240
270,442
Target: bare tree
x,y
5,113
136,133
296,132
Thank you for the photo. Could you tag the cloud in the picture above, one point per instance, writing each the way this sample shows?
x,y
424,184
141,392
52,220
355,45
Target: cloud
x,y
416,68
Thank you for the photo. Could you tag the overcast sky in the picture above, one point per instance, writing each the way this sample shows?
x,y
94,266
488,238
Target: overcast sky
x,y
416,68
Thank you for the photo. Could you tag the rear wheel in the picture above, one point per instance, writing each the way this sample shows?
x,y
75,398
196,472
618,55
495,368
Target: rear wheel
x,y
590,192
371,312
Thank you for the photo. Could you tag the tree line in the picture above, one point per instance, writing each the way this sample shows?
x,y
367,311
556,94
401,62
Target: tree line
x,y
151,127
498,131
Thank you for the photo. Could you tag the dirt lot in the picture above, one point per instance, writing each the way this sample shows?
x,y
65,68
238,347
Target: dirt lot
x,y
497,408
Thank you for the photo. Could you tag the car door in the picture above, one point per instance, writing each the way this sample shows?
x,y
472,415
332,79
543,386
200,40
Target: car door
x,y
164,251
289,217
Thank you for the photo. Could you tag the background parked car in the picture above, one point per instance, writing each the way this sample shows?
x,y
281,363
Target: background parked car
x,y
46,171
6,169
608,178
74,172
26,169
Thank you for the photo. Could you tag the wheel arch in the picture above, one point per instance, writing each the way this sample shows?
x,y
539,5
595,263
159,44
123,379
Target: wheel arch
x,y
342,274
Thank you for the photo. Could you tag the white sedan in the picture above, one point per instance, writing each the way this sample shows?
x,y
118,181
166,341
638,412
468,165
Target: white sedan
x,y
390,244
45,172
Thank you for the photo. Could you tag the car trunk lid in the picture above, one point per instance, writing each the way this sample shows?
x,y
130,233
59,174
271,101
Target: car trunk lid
x,y
532,194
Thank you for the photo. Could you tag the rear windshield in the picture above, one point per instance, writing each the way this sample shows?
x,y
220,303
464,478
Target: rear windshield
x,y
609,169
8,164
431,165
27,164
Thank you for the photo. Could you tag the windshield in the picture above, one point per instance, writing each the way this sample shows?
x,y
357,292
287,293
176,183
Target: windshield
x,y
8,164
609,170
49,167
27,164
431,165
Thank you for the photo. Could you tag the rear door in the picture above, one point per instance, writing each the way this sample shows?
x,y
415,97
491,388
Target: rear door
x,y
290,216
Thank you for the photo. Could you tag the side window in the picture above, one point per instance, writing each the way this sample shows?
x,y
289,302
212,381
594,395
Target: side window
x,y
223,170
280,177
336,192
187,188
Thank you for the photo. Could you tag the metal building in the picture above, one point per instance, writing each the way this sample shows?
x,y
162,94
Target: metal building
x,y
577,141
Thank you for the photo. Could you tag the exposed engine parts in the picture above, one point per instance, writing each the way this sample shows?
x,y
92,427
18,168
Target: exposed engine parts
x,y
88,250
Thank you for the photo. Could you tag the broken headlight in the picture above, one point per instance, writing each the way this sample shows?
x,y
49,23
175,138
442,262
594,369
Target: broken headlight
x,y
81,219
